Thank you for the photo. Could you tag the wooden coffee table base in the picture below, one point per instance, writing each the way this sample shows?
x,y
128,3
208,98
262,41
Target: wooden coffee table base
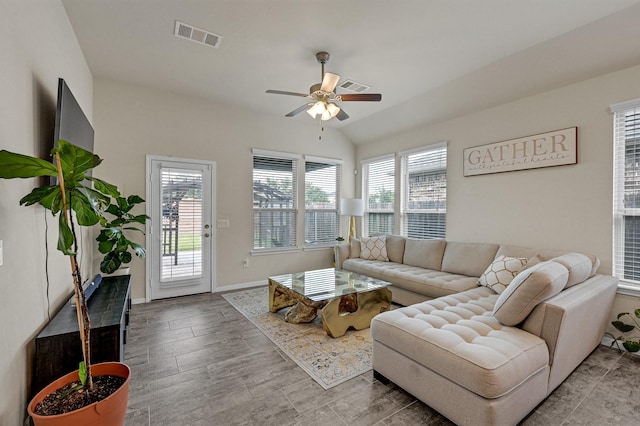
x,y
338,314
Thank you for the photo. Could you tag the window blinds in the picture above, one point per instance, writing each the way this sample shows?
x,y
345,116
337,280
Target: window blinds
x,y
274,202
626,193
379,194
424,192
321,199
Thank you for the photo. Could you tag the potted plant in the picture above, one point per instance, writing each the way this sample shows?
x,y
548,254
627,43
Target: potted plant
x,y
632,343
83,200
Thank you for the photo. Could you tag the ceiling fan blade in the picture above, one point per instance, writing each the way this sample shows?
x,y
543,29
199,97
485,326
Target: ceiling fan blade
x,y
329,82
342,115
371,97
280,92
299,110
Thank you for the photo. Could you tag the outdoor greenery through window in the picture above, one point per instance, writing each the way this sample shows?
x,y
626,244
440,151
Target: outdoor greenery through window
x,y
181,201
424,192
274,200
379,194
626,194
321,198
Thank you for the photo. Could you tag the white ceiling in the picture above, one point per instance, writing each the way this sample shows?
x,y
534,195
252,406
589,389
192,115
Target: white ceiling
x,y
430,59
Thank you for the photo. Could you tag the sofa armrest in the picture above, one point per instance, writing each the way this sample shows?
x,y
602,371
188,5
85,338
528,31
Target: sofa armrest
x,y
573,323
342,253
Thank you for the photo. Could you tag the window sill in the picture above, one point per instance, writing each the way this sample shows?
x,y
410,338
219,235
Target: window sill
x,y
628,289
318,248
274,251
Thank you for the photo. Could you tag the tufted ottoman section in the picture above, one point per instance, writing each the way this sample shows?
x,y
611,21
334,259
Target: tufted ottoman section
x,y
457,337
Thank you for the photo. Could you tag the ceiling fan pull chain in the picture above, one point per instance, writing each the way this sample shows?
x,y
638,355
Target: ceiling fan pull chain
x,y
321,129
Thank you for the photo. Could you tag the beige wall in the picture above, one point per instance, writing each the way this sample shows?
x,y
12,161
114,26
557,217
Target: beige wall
x,y
38,45
132,121
566,207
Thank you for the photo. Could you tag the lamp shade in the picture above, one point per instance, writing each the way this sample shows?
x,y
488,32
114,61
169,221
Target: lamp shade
x,y
351,207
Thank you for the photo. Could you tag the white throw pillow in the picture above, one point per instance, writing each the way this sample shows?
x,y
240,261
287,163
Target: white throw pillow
x,y
501,272
528,288
374,248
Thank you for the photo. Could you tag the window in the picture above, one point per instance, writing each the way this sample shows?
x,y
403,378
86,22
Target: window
x,y
626,193
379,192
274,200
424,192
321,198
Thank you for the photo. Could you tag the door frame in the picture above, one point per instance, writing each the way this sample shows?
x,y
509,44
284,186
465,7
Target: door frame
x,y
148,204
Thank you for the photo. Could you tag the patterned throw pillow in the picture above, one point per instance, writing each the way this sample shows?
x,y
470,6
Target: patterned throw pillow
x,y
374,248
501,272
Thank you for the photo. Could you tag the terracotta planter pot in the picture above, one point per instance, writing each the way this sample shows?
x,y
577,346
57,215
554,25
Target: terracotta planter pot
x,y
108,412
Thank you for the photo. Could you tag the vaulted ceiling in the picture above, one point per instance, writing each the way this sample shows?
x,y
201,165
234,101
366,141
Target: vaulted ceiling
x,y
430,59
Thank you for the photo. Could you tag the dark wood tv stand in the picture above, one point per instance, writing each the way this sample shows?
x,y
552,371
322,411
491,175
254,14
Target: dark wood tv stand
x,y
58,348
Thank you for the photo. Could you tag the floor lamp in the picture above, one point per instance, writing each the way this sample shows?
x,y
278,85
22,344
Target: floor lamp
x,y
352,207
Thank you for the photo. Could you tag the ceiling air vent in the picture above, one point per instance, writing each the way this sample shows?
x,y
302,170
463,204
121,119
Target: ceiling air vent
x,y
354,86
196,34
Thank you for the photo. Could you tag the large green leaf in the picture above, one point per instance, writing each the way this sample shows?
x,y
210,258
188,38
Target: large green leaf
x,y
123,205
142,218
637,313
631,346
38,194
85,213
110,263
104,187
75,161
134,199
14,165
140,251
625,328
97,198
65,237
103,236
125,256
105,247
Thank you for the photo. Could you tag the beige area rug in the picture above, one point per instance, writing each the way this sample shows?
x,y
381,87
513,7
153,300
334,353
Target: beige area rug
x,y
327,360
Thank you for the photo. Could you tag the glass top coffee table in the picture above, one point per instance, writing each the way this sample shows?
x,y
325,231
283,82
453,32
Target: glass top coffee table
x,y
345,299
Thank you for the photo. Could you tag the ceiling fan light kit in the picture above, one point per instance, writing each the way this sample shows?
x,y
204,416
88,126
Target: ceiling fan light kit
x,y
324,97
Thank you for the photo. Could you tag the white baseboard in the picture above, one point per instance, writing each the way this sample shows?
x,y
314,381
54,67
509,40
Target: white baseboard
x,y
240,286
233,287
607,341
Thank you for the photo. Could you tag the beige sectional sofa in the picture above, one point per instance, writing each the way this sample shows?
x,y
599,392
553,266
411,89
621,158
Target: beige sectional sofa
x,y
483,354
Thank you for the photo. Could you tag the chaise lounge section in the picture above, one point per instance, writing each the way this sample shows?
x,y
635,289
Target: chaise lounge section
x,y
488,354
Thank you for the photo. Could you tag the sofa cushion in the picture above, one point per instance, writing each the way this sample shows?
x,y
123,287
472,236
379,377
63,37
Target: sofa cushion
x,y
457,338
469,259
518,251
354,248
578,265
395,248
418,280
529,288
501,272
374,248
551,254
424,253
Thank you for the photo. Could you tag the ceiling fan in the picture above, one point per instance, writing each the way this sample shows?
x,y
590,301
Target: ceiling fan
x,y
323,96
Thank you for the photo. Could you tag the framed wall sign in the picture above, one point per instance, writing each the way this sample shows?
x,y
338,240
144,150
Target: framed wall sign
x,y
557,148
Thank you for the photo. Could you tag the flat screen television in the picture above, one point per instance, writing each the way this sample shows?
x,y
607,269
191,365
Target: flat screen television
x,y
71,123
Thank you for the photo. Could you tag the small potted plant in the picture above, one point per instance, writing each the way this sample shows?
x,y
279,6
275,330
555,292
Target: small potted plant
x,y
86,201
630,343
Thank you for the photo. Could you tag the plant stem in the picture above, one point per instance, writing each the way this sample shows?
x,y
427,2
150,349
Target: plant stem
x,y
82,312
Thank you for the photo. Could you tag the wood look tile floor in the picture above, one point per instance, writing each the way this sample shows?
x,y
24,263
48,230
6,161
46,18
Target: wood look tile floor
x,y
195,360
